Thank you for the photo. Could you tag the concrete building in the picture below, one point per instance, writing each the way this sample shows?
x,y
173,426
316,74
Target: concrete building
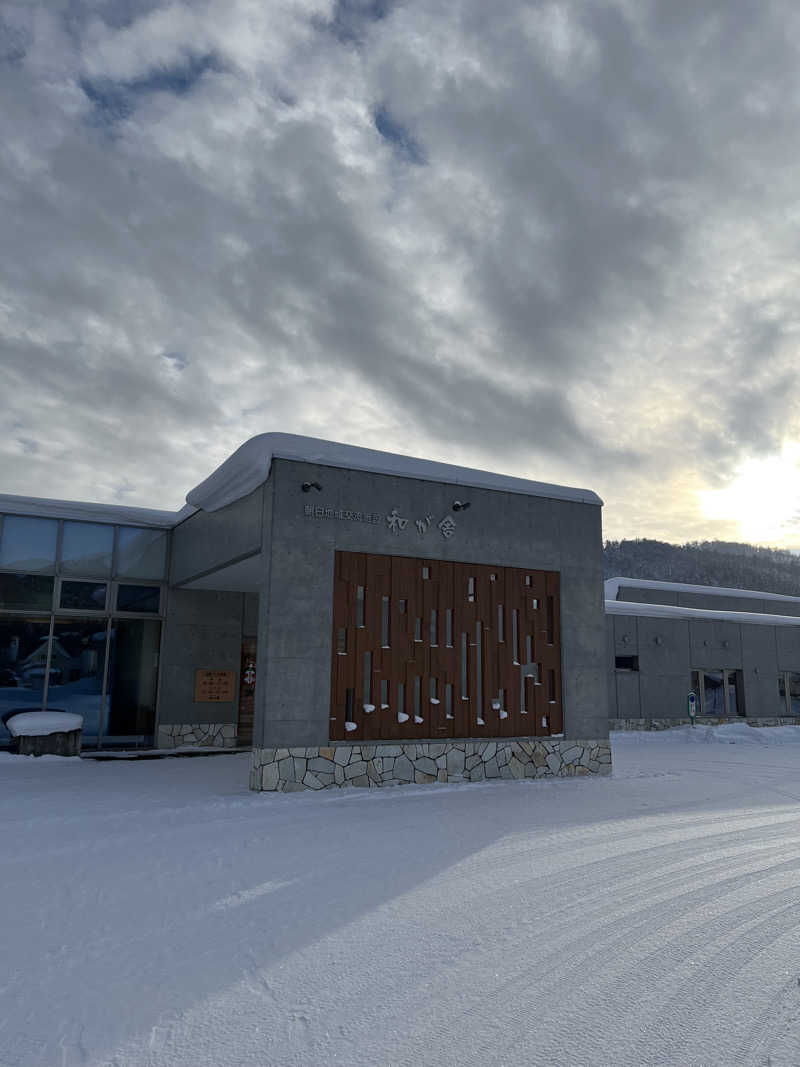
x,y
737,650
358,617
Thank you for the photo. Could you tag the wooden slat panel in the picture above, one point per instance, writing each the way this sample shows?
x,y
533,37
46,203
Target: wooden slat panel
x,y
471,594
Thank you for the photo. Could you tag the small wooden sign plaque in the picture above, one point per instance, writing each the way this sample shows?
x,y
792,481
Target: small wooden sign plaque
x,y
214,687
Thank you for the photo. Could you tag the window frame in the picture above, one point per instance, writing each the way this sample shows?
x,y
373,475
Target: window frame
x,y
737,686
787,694
57,569
633,669
59,610
107,616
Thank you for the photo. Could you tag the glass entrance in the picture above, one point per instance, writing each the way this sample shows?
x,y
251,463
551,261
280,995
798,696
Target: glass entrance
x,y
133,675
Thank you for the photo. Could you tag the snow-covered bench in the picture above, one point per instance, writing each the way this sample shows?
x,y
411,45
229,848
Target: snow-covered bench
x,y
44,733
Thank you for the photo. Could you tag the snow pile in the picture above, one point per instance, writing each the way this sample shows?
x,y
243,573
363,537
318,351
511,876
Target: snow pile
x,y
164,916
42,723
732,733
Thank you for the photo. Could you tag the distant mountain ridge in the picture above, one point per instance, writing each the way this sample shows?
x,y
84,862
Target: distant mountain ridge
x,y
725,563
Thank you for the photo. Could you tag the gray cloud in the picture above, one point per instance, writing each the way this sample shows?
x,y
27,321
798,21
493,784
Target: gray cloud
x,y
553,239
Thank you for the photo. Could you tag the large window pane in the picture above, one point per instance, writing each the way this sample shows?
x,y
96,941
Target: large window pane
x,y
83,596
781,694
86,548
28,544
143,598
76,671
141,553
714,693
26,592
733,702
794,693
23,659
133,674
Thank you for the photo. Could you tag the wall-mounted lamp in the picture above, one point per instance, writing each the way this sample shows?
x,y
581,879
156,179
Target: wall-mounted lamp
x,y
460,505
308,486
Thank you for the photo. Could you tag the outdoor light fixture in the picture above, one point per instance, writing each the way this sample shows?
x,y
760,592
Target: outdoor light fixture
x,y
460,505
308,486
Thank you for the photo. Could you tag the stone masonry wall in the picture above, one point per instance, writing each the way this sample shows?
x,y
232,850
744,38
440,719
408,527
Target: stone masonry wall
x,y
705,720
201,734
381,764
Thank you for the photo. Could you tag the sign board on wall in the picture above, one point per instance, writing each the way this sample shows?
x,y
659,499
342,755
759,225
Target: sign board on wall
x,y
214,687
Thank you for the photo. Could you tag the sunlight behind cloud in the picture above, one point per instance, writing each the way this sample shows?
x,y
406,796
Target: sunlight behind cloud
x,y
764,499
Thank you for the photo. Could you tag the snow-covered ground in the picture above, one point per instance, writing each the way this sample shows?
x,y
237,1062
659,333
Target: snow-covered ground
x,y
155,913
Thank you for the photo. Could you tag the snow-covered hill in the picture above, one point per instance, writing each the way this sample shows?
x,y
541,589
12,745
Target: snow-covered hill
x,y
720,563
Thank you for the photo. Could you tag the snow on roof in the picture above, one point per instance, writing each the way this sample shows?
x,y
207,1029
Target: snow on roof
x,y
88,512
673,611
613,586
249,467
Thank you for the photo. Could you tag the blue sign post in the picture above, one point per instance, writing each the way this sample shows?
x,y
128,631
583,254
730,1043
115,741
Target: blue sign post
x,y
692,707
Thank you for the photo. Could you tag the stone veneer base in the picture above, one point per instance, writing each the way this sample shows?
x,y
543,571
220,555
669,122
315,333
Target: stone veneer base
x,y
384,763
202,734
705,720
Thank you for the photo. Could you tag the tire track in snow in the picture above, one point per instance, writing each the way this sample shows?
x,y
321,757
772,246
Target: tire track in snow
x,y
620,935
672,940
775,1037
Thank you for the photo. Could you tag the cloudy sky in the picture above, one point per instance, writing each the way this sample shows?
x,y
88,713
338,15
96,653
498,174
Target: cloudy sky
x,y
556,240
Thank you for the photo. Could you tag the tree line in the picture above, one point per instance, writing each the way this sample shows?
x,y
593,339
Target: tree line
x,y
725,563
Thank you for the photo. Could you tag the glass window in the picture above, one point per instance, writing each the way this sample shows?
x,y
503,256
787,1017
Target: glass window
x,y
714,693
86,548
23,662
733,704
28,544
794,693
626,663
77,662
133,674
26,592
141,553
138,598
83,596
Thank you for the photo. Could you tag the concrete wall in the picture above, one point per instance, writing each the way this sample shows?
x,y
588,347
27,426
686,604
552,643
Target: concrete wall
x,y
759,646
293,690
203,630
250,615
209,540
669,649
788,648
